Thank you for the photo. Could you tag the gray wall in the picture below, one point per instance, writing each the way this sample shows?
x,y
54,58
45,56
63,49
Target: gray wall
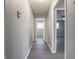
x,y
70,30
18,31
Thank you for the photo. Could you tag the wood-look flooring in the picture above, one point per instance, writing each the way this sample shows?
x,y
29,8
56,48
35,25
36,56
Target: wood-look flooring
x,y
40,50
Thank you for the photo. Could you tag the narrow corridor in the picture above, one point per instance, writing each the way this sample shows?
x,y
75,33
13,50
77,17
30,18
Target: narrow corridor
x,y
26,20
40,50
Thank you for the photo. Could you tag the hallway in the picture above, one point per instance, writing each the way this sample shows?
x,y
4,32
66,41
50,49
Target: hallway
x,y
40,50
23,36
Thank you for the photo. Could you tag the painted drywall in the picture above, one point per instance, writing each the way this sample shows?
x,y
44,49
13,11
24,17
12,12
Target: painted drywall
x,y
50,25
18,31
70,30
60,4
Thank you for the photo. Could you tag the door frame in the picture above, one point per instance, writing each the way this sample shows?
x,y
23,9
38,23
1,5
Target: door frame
x,y
65,8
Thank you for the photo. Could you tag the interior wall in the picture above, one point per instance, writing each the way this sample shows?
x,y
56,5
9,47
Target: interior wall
x,y
50,26
70,30
60,4
18,31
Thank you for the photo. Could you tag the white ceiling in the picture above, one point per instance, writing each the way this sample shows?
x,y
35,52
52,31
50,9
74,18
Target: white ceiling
x,y
40,7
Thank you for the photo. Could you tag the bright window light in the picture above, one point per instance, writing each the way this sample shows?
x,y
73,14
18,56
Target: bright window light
x,y
57,25
40,25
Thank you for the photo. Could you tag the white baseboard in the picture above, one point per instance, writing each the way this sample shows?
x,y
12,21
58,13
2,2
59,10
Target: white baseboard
x,y
49,47
28,52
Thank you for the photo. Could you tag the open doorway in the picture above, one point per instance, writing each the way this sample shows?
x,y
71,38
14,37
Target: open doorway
x,y
40,28
60,29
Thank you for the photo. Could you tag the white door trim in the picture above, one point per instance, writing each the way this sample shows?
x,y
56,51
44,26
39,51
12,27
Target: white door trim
x,y
44,30
65,8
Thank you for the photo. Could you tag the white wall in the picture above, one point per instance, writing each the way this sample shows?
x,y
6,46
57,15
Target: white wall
x,y
60,4
18,31
50,26
70,30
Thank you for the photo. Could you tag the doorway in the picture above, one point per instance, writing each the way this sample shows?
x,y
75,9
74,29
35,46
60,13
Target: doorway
x,y
40,28
59,29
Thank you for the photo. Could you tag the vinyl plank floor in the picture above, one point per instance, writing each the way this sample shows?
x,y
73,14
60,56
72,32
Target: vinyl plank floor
x,y
40,50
